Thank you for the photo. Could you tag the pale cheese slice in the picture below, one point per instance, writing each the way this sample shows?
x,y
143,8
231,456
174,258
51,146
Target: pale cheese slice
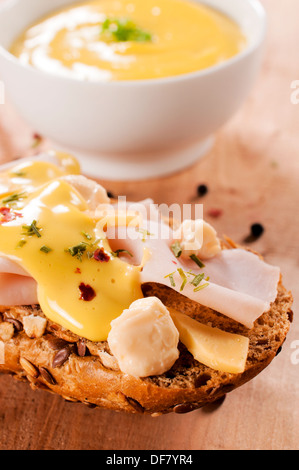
x,y
217,349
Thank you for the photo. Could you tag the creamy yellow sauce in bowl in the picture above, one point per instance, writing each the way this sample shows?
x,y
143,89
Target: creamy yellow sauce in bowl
x,y
104,40
134,89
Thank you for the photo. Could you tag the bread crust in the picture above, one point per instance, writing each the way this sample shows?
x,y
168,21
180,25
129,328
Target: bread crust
x,y
82,371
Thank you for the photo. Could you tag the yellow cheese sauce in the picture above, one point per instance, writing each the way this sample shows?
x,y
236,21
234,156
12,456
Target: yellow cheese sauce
x,y
58,237
46,228
106,40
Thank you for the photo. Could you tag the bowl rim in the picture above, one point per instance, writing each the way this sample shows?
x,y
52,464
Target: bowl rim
x,y
249,49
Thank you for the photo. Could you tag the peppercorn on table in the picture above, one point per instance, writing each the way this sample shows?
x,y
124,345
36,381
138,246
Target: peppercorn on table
x,y
248,184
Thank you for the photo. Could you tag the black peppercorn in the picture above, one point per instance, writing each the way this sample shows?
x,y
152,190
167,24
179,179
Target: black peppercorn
x,y
202,190
110,195
257,230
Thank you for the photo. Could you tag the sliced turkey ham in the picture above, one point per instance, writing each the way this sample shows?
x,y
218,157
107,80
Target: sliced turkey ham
x,y
17,286
241,285
17,290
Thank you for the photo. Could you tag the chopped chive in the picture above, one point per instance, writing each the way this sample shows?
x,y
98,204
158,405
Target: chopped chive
x,y
197,280
90,245
123,29
177,249
82,247
117,253
184,278
172,283
14,198
77,250
19,174
86,235
31,230
145,233
190,273
21,243
203,286
171,278
168,275
183,284
197,261
45,249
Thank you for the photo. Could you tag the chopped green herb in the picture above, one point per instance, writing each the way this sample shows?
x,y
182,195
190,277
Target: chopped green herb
x,y
19,174
45,249
190,273
82,247
203,286
184,278
197,280
145,233
86,235
117,253
123,30
177,249
21,243
168,275
91,244
197,261
31,230
172,283
77,250
14,198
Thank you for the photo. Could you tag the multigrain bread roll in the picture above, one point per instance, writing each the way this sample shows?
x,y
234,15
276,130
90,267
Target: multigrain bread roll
x,y
101,307
79,370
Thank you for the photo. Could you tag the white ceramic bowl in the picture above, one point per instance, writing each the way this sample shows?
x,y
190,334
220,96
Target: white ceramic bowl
x,y
135,129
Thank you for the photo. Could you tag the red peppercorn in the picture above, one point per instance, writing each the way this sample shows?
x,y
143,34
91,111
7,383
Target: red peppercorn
x,y
101,255
8,215
87,292
215,213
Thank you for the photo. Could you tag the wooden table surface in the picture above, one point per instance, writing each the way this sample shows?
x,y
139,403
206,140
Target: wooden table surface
x,y
253,176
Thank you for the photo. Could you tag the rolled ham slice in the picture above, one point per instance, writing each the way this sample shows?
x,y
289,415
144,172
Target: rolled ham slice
x,y
17,290
17,286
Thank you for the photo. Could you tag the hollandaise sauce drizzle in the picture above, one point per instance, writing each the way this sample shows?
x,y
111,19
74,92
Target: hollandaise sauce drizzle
x,y
54,237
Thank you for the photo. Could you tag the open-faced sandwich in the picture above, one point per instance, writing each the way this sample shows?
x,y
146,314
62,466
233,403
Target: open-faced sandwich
x,y
110,304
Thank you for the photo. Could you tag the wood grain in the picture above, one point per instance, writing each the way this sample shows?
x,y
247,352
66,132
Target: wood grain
x,y
253,176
